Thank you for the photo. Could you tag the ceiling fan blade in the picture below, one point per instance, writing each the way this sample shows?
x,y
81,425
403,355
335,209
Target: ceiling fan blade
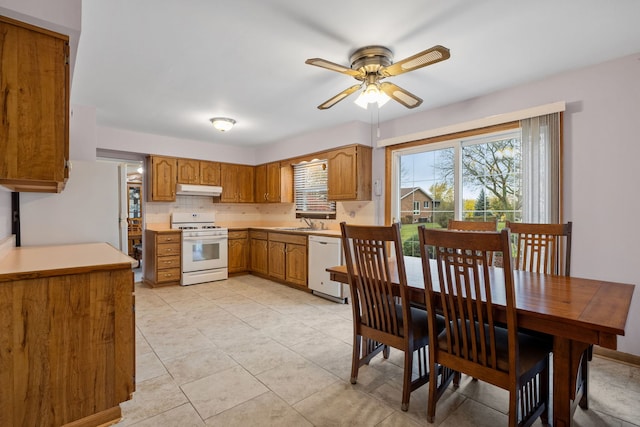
x,y
395,92
430,56
323,63
339,97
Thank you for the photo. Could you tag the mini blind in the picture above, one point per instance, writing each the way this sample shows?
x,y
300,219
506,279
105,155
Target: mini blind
x,y
310,190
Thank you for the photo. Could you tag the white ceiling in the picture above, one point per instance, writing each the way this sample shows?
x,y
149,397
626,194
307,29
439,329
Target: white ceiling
x,y
165,67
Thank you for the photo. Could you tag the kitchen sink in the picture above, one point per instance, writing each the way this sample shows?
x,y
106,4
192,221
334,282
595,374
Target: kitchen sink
x,y
295,228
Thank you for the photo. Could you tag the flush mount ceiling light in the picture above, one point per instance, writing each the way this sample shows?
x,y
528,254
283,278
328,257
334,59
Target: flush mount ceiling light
x,y
223,124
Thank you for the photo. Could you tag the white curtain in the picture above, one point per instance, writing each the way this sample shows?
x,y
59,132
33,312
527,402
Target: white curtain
x,y
541,169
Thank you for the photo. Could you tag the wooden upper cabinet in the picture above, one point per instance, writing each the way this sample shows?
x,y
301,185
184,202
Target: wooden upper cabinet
x,y
209,173
237,183
188,171
34,97
349,173
162,178
268,183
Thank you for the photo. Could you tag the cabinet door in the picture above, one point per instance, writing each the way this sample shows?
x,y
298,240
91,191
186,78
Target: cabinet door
x,y
259,256
245,184
238,255
260,184
277,260
349,173
229,182
296,264
188,171
272,174
341,174
163,179
34,74
209,173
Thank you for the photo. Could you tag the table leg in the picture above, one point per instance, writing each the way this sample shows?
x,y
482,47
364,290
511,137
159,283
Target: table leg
x,y
566,361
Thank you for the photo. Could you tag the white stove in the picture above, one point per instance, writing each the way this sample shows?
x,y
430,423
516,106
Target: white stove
x,y
204,247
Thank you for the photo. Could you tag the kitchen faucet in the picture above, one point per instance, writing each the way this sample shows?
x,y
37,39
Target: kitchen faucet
x,y
309,223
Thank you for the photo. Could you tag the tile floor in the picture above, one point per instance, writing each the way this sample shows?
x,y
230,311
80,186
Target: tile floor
x,y
251,352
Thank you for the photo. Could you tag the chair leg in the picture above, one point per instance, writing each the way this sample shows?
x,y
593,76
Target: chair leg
x,y
406,379
544,393
584,373
433,392
386,351
355,358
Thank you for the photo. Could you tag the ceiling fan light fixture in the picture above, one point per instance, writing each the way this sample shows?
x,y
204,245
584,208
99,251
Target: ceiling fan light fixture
x,y
223,124
371,94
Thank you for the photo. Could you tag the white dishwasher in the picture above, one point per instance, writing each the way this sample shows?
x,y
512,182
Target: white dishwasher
x,y
325,252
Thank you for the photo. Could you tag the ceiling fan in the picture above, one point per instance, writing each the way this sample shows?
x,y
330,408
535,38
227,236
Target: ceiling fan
x,y
370,65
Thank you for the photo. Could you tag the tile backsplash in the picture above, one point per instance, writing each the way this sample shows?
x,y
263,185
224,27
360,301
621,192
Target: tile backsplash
x,y
256,214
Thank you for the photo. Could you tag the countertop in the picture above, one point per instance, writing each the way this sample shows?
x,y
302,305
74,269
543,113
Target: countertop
x,y
331,233
29,262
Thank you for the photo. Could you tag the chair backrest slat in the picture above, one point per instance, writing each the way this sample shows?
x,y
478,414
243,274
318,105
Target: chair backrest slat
x,y
542,248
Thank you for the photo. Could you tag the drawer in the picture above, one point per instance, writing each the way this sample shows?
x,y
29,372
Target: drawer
x,y
169,275
261,235
168,238
288,238
238,234
172,261
165,249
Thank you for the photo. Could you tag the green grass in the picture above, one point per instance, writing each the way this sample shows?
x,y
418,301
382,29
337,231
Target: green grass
x,y
407,231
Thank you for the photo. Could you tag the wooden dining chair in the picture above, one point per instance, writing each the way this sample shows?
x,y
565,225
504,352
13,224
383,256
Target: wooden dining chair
x,y
473,341
472,225
382,315
546,249
542,248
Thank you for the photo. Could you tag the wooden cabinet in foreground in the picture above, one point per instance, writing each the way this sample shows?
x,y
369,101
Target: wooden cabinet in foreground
x,y
238,253
349,173
162,257
67,342
34,134
162,178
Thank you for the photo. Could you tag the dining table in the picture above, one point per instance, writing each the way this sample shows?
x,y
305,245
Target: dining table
x,y
576,312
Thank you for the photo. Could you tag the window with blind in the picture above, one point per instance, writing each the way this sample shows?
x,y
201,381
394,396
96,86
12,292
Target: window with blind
x,y
311,190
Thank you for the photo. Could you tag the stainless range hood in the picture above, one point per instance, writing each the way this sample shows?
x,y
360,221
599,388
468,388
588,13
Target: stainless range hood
x,y
198,190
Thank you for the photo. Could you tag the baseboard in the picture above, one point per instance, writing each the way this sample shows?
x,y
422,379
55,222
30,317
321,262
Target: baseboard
x,y
619,356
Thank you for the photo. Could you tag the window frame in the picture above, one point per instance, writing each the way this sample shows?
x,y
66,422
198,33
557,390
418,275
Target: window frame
x,y
313,214
391,179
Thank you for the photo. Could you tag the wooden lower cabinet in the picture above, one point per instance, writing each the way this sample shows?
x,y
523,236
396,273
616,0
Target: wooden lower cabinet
x,y
288,258
162,257
238,251
67,342
259,247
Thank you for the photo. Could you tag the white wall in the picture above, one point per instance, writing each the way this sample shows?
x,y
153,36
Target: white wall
x,y
86,211
144,143
601,155
312,142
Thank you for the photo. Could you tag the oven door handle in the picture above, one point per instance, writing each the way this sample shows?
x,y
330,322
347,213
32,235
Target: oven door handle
x,y
207,238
